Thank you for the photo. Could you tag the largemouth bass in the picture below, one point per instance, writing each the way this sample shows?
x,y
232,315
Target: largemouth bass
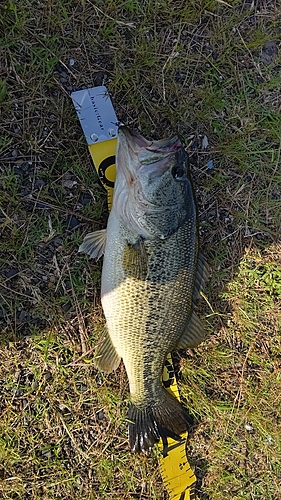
x,y
151,276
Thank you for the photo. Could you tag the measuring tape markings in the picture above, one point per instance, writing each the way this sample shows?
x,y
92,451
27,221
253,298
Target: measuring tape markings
x,y
103,156
104,172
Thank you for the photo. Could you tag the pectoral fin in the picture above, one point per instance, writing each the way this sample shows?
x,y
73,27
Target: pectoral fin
x,y
107,359
193,334
94,244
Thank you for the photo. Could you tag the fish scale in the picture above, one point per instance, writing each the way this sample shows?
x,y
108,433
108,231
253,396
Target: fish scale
x,y
138,308
149,280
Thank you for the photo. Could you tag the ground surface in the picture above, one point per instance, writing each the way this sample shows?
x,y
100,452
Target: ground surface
x,y
210,71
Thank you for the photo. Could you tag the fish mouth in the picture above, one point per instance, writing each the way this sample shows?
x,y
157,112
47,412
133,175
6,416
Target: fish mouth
x,y
161,146
150,157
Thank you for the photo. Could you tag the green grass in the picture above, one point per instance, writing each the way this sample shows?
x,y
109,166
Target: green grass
x,y
192,68
235,385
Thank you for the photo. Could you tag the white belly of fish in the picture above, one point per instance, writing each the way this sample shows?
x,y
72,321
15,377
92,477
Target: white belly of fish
x,y
145,318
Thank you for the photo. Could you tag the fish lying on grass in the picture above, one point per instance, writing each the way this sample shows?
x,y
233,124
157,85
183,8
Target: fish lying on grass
x,y
151,276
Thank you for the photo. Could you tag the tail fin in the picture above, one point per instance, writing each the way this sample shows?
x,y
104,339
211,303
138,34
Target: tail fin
x,y
163,418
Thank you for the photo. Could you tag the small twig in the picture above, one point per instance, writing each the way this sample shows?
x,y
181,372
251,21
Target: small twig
x,y
238,396
209,304
225,3
249,52
122,23
231,234
55,207
72,438
13,290
33,35
171,56
62,87
277,166
74,363
81,323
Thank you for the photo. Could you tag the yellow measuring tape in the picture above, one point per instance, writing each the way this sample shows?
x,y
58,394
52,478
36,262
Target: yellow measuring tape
x,y
99,124
103,155
176,472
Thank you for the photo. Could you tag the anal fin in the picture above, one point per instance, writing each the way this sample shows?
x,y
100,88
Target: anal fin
x,y
107,359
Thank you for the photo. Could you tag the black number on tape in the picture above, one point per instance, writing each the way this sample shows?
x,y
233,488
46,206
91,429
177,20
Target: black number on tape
x,y
171,374
107,162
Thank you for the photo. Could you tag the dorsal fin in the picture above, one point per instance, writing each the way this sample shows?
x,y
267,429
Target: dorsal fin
x,y
193,334
201,277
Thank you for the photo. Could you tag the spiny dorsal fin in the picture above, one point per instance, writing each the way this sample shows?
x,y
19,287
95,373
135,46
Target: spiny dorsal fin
x,y
193,334
94,244
107,359
202,275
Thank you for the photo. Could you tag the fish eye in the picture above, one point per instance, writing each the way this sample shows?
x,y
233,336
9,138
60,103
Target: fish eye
x,y
177,172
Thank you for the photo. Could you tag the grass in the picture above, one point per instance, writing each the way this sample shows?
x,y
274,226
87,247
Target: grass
x,y
243,421
193,68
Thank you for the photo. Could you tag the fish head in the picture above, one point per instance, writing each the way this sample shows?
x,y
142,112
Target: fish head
x,y
153,192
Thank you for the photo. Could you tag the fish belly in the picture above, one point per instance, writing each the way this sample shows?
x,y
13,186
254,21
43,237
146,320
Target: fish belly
x,y
147,300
